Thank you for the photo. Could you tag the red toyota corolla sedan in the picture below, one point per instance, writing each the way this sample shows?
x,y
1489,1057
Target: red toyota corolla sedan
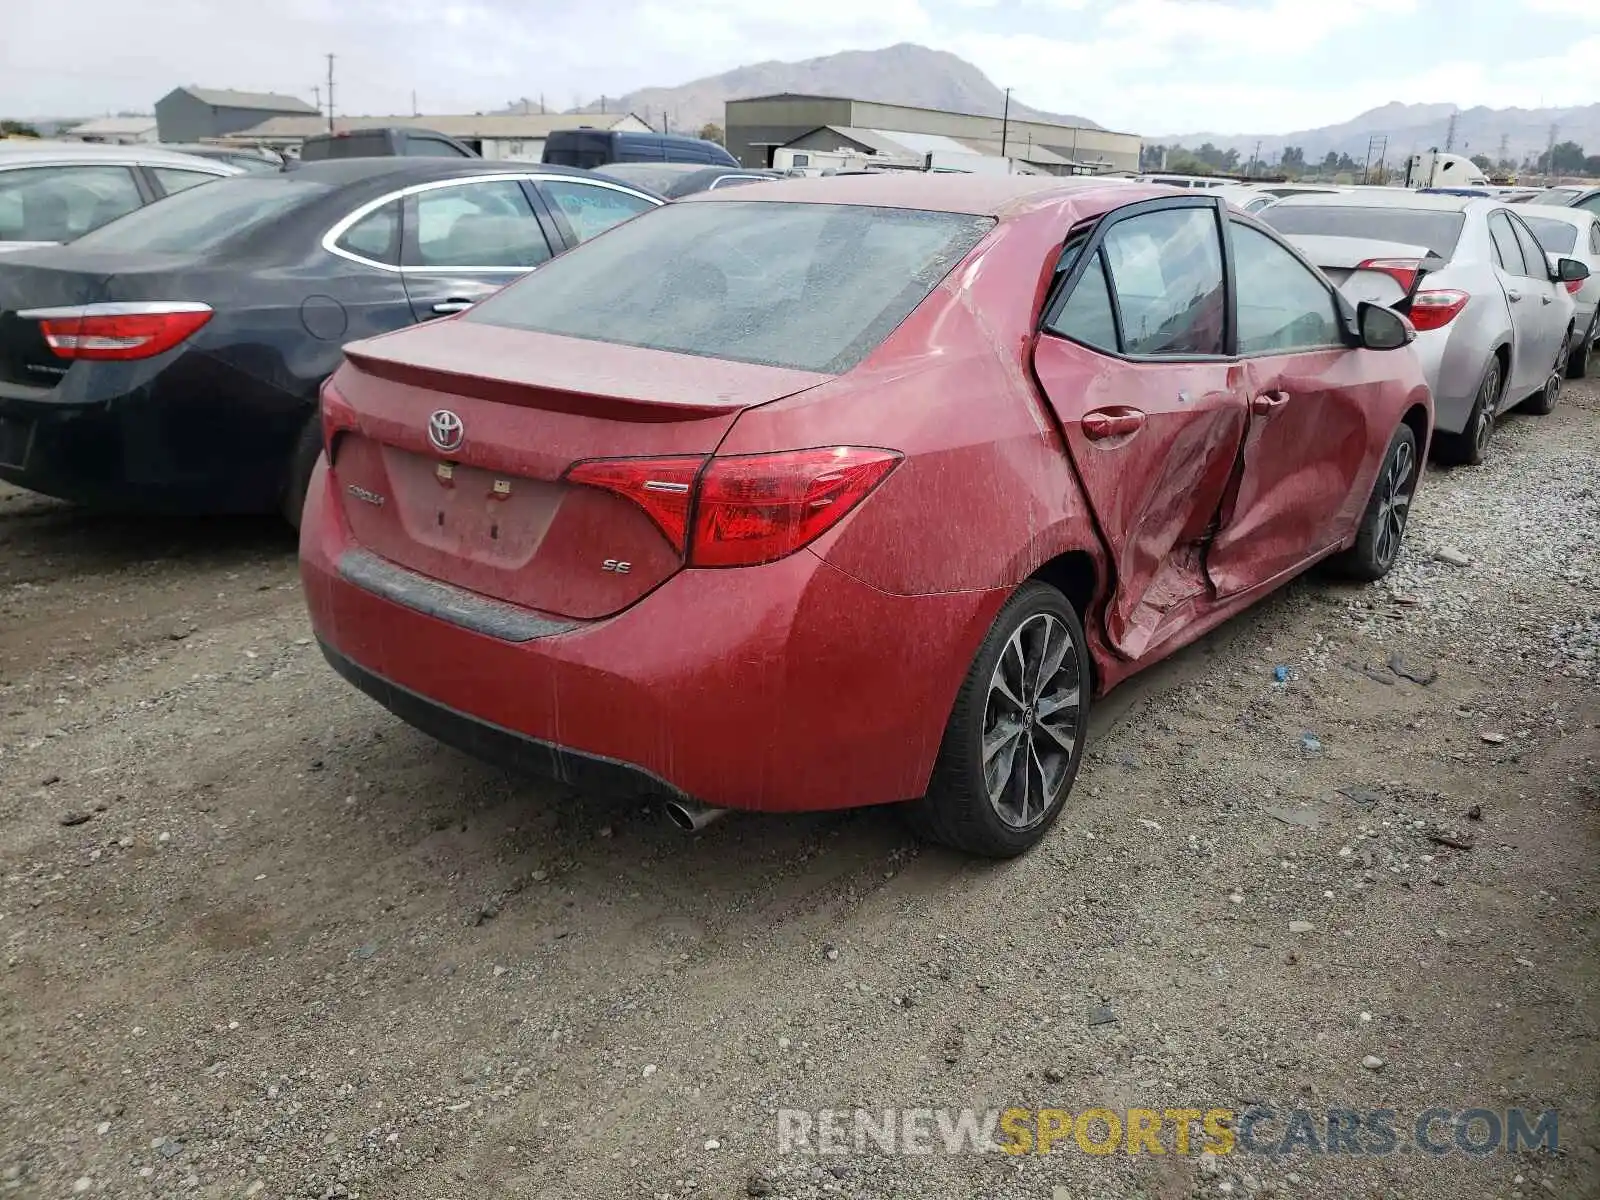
x,y
850,491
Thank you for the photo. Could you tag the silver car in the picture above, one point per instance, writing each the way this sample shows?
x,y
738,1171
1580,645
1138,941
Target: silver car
x,y
57,191
1494,319
1573,233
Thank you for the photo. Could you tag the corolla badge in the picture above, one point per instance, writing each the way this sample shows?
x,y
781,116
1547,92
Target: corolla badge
x,y
446,431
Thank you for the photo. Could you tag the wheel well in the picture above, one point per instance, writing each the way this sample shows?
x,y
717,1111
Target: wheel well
x,y
1072,574
1503,353
1417,418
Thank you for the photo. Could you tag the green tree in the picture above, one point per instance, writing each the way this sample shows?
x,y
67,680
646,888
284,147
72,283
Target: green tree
x,y
1567,157
17,129
1482,162
712,132
1591,165
1293,159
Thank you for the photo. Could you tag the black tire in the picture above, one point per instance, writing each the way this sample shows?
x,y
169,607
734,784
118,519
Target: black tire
x,y
1543,402
1383,525
960,809
1467,448
1578,364
302,461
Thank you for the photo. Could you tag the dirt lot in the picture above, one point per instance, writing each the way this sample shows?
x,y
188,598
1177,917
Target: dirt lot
x,y
262,940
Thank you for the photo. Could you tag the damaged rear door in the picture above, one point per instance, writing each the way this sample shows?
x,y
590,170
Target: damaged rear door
x,y
1133,359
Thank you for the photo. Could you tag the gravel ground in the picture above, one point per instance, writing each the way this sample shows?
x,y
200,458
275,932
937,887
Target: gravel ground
x,y
262,940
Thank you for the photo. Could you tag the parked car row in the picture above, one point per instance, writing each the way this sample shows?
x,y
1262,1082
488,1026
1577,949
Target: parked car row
x,y
659,493
1495,309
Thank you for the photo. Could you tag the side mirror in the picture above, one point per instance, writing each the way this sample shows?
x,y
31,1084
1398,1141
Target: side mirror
x,y
1571,270
1382,328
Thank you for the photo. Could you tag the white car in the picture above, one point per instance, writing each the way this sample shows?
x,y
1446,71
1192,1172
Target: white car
x,y
54,192
1573,233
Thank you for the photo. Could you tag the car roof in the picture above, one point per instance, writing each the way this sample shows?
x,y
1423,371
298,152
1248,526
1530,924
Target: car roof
x,y
15,152
1386,198
1002,196
340,171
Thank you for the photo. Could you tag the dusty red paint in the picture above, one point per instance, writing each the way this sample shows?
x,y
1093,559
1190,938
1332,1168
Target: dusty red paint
x,y
825,679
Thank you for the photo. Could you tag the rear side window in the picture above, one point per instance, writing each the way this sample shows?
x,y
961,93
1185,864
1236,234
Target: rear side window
x,y
1087,316
175,179
1506,251
814,287
1166,269
1438,230
205,217
61,204
1590,203
428,147
375,236
591,210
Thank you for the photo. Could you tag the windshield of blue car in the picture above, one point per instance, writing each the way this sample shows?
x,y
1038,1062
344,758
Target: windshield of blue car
x,y
202,218
1557,237
813,287
1437,229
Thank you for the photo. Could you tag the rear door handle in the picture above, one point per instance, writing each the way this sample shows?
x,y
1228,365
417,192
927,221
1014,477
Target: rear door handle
x,y
1513,296
1110,423
1546,298
445,307
1268,403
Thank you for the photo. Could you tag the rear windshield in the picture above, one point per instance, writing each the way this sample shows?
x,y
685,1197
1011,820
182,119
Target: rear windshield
x,y
1557,237
203,218
659,176
1435,229
814,287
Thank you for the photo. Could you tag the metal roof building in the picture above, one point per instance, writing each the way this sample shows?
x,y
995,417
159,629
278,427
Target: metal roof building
x,y
758,126
195,114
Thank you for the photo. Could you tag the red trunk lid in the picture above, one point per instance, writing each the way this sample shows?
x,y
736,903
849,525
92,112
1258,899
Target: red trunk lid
x,y
493,515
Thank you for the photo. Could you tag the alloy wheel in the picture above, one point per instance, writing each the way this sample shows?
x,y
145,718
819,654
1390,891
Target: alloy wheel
x,y
1395,502
1552,385
1031,726
1488,393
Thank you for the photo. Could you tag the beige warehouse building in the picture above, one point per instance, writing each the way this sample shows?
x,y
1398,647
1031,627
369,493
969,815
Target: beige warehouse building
x,y
758,126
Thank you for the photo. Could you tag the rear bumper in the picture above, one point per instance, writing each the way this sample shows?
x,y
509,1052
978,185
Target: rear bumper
x,y
786,687
111,436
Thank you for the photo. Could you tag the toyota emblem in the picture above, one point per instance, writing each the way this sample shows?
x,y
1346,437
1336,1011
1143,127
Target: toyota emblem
x,y
446,431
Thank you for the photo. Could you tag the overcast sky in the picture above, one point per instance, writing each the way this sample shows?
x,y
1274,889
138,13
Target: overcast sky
x,y
1147,66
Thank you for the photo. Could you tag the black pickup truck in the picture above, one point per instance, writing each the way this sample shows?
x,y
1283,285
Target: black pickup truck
x,y
395,141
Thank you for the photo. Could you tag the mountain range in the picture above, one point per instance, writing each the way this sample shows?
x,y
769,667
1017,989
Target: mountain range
x,y
1514,133
921,77
901,74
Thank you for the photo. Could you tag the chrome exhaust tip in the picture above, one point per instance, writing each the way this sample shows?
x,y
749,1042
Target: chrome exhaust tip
x,y
691,817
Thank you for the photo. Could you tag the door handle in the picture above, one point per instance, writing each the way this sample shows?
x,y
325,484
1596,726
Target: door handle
x,y
445,307
1513,296
1119,422
1546,299
1268,403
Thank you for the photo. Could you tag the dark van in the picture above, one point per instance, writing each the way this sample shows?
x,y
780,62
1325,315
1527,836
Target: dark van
x,y
592,148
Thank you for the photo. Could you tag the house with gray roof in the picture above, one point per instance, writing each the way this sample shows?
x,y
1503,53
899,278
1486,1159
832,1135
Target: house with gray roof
x,y
194,114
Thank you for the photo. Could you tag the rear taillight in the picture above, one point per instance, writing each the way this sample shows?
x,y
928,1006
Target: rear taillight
x,y
1402,270
743,510
1436,309
117,331
660,486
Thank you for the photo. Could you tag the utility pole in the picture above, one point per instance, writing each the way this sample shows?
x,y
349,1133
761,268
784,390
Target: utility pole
x,y
316,90
415,111
1255,157
1005,129
1550,152
330,93
1450,134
